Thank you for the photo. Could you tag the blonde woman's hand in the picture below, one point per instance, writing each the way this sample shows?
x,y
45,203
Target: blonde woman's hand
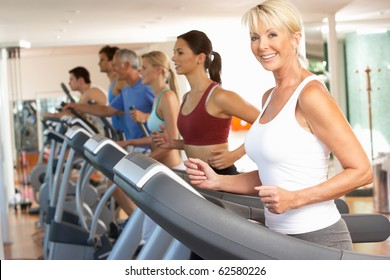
x,y
139,116
162,139
277,200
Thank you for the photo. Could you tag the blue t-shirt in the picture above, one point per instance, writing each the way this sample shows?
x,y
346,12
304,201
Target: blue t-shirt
x,y
118,121
139,95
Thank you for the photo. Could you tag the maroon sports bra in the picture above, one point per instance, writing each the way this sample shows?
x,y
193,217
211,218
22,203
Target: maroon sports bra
x,y
199,127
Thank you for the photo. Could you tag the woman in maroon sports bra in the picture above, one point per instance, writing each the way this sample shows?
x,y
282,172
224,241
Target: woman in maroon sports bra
x,y
205,115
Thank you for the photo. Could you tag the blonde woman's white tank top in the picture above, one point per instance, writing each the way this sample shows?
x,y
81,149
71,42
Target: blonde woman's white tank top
x,y
292,158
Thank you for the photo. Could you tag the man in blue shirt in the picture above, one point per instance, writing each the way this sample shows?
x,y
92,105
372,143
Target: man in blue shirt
x,y
125,63
135,93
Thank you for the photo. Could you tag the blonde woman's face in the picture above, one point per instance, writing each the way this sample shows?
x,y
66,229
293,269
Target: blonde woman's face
x,y
149,72
273,47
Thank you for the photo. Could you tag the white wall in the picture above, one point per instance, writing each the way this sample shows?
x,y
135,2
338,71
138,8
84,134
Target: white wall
x,y
41,75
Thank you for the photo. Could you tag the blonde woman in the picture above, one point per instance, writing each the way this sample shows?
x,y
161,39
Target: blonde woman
x,y
156,72
292,138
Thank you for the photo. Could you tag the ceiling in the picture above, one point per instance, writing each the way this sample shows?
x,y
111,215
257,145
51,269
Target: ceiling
x,y
63,25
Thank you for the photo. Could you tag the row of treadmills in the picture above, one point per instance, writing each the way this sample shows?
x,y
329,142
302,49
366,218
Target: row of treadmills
x,y
78,218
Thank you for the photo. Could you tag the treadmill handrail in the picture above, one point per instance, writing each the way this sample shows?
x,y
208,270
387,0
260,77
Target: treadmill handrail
x,y
139,175
211,231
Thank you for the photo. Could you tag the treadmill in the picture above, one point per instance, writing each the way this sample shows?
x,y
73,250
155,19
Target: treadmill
x,y
213,228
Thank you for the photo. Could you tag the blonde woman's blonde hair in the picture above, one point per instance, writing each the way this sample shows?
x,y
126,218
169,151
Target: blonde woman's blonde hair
x,y
275,13
158,58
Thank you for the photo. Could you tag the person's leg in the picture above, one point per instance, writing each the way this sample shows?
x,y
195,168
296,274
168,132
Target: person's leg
x,y
124,202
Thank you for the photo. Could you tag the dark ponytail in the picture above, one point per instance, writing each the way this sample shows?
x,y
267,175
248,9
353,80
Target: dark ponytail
x,y
215,67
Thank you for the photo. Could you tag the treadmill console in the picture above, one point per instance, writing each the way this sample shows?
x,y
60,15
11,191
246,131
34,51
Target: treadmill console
x,y
136,169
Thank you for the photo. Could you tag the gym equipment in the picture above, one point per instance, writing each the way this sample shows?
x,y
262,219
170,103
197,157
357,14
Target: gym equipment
x,y
67,93
363,228
55,137
37,174
109,130
360,232
248,200
103,159
48,190
140,124
104,154
69,240
207,229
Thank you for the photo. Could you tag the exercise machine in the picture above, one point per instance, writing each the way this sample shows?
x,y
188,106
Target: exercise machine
x,y
205,227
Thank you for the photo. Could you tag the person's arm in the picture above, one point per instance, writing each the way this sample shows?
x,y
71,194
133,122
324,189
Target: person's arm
x,y
96,110
330,125
56,115
321,114
162,140
228,103
223,158
168,110
144,141
139,116
201,175
169,137
97,95
225,104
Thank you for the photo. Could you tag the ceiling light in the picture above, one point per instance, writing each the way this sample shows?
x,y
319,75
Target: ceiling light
x,y
24,44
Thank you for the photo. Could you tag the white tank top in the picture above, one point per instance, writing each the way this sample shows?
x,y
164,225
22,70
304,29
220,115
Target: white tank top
x,y
292,158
